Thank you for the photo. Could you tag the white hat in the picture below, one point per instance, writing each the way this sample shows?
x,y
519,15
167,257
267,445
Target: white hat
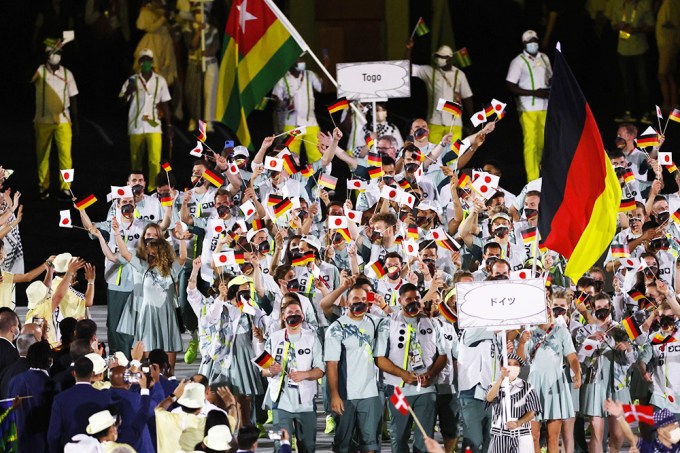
x,y
98,364
193,396
501,215
312,241
61,262
36,293
529,35
6,173
429,205
99,422
444,51
251,233
121,359
218,438
145,53
241,151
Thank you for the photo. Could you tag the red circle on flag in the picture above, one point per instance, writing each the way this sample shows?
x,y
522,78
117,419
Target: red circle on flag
x,y
234,169
671,399
66,175
410,248
487,179
435,235
497,107
218,228
338,221
392,194
250,211
65,221
480,117
350,215
588,347
121,192
629,262
483,189
522,275
223,258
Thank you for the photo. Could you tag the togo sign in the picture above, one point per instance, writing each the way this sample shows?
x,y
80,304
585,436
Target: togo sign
x,y
374,79
501,303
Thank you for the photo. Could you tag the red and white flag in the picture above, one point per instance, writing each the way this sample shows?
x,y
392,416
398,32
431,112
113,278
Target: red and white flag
x,y
389,193
407,198
121,192
666,158
478,118
273,164
643,414
587,349
198,151
224,258
67,175
498,106
337,221
354,216
410,247
658,113
65,219
438,234
399,401
357,184
521,274
248,209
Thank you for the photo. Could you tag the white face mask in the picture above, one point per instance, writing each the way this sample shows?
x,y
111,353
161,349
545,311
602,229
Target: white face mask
x,y
380,115
532,48
54,59
301,66
514,372
441,62
674,435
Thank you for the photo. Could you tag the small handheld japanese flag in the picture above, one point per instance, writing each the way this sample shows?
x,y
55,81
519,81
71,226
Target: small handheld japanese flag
x,y
248,209
478,118
198,151
65,219
67,175
389,193
337,221
121,192
399,401
665,158
354,216
273,164
224,258
588,348
410,247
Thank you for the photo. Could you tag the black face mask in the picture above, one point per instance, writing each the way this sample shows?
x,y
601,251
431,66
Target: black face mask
x,y
529,213
264,247
431,265
660,244
388,180
127,209
337,238
294,320
620,142
654,326
420,133
412,308
412,167
147,240
151,259
197,181
602,313
559,311
222,210
302,215
501,231
394,274
666,322
137,189
499,277
245,295
403,215
422,221
376,236
293,285
162,195
295,253
620,171
662,217
650,271
358,308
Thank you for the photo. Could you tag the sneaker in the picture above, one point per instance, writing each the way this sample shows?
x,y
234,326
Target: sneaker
x,y
44,194
648,119
625,118
65,195
330,424
192,349
270,418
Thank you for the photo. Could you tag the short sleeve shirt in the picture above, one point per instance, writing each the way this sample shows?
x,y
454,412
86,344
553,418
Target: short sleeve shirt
x,y
530,73
53,93
143,111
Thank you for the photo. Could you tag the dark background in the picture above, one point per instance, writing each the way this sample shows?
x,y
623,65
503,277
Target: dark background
x,y
491,30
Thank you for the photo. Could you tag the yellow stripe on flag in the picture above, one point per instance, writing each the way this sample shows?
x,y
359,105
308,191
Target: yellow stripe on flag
x,y
228,75
252,63
601,228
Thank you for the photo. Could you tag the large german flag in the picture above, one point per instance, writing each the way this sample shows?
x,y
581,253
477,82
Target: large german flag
x,y
580,193
257,51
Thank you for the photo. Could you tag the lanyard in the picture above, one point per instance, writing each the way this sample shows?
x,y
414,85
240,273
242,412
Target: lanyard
x,y
531,76
540,342
407,349
120,266
155,92
434,74
283,366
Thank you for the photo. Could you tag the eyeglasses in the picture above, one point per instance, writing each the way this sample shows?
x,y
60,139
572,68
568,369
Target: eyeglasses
x,y
383,148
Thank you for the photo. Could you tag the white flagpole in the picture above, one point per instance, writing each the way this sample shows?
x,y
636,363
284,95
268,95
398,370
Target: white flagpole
x,y
305,47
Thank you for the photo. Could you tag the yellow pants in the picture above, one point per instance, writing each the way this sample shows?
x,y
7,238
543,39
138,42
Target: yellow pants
x,y
44,133
437,131
309,140
533,125
152,143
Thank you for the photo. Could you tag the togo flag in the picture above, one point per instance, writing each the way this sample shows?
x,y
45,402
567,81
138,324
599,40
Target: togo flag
x,y
258,49
581,193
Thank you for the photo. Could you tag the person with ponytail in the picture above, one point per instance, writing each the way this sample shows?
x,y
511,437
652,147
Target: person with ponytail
x,y
298,363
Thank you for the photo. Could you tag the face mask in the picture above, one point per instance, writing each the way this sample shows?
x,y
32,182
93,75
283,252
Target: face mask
x,y
532,48
146,66
650,272
403,215
137,189
222,210
127,209
151,259
294,320
488,262
358,308
602,314
393,272
245,295
302,215
514,372
337,239
666,322
620,142
420,132
147,241
430,265
54,59
422,221
411,168
659,244
559,311
529,213
499,277
162,195
501,231
388,180
441,62
301,66
264,247
197,181
376,236
412,309
674,435
293,285
661,217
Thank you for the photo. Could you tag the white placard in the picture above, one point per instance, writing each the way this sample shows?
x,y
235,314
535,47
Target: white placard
x,y
374,79
501,303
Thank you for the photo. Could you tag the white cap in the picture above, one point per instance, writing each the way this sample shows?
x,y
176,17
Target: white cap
x,y
312,241
240,150
251,234
99,422
98,364
121,359
193,396
61,262
501,215
444,51
36,293
529,35
145,53
218,438
429,205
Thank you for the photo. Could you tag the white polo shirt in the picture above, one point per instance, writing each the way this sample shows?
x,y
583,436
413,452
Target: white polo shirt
x,y
301,91
442,84
53,92
530,73
143,111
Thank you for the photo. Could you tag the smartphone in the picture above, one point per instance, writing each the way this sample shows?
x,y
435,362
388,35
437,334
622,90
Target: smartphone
x,y
274,435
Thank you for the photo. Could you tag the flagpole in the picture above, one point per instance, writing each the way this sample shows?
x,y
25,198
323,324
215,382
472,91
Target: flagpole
x,y
420,427
305,47
413,33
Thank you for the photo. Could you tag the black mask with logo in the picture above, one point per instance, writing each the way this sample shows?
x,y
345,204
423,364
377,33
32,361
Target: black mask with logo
x,y
294,320
358,308
602,313
412,308
127,209
222,210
